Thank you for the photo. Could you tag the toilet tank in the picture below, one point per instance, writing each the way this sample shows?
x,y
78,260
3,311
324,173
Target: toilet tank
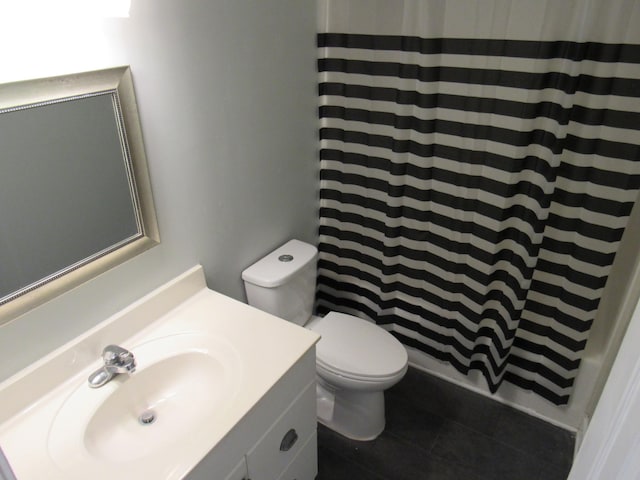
x,y
284,282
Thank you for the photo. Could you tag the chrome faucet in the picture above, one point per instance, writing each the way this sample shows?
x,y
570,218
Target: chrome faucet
x,y
116,360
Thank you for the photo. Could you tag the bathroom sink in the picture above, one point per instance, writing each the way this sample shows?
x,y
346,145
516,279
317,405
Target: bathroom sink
x,y
202,394
182,382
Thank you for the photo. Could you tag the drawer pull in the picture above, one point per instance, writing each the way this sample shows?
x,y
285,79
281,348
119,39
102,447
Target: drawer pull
x,y
289,439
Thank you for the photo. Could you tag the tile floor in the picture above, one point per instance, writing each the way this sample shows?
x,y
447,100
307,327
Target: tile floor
x,y
439,431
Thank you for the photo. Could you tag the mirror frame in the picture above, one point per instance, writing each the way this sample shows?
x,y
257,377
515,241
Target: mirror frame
x,y
119,84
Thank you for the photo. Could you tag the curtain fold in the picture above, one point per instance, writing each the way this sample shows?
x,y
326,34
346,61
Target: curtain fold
x,y
476,176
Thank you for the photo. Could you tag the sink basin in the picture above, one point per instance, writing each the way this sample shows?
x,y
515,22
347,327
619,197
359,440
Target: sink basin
x,y
182,382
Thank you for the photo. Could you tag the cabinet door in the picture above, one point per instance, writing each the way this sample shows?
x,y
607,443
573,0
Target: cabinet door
x,y
239,472
305,465
285,439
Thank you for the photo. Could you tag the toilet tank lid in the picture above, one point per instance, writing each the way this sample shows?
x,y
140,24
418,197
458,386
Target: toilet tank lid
x,y
280,265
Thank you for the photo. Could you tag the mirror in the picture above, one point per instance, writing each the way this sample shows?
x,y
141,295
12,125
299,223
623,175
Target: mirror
x,y
75,196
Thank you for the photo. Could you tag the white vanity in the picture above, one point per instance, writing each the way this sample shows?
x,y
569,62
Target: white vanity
x,y
221,391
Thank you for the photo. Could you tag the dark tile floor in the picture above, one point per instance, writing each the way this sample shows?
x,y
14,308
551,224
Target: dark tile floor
x,y
440,431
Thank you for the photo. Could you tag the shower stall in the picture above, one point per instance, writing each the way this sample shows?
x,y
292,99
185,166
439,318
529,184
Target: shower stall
x,y
479,176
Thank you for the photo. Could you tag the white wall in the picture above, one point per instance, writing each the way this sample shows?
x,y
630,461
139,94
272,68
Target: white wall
x,y
614,312
227,97
611,444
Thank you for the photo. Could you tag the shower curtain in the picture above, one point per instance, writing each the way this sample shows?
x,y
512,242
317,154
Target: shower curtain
x,y
479,161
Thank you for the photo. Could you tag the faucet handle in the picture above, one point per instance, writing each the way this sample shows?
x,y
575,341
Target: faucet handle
x,y
116,360
115,355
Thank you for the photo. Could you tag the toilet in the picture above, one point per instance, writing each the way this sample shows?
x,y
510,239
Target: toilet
x,y
356,360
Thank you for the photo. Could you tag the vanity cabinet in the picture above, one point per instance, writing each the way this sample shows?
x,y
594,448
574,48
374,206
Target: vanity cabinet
x,y
277,439
286,438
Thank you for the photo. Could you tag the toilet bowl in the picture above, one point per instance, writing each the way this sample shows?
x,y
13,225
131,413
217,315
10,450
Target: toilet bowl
x,y
356,360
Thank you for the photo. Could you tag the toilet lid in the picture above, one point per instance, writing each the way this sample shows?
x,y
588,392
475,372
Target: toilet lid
x,y
354,347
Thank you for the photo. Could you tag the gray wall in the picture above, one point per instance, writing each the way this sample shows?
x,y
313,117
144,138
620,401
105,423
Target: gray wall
x,y
227,98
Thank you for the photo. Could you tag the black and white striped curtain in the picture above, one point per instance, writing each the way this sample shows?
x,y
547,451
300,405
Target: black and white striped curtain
x,y
479,161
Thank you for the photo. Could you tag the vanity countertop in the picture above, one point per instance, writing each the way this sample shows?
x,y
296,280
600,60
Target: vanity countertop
x,y
50,399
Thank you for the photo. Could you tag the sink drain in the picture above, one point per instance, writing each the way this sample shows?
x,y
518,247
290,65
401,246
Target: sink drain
x,y
147,418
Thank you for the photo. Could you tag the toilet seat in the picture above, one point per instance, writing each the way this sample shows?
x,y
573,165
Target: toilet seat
x,y
357,349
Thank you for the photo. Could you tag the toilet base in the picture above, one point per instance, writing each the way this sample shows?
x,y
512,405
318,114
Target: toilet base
x,y
354,414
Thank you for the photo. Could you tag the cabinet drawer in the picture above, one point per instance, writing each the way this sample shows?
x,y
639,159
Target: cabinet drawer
x,y
284,440
305,465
